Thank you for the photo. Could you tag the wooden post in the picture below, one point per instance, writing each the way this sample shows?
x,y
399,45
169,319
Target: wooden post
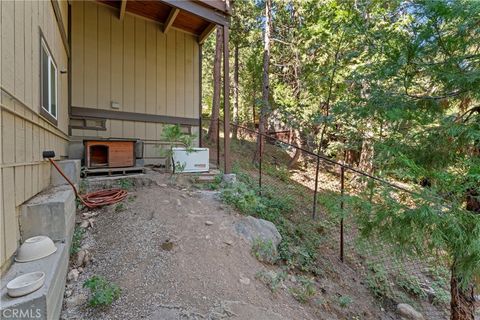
x,y
226,102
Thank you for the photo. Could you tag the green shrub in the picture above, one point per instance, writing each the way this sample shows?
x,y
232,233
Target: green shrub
x,y
103,292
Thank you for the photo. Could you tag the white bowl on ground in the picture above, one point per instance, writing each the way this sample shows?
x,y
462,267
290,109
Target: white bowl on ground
x,y
25,284
35,248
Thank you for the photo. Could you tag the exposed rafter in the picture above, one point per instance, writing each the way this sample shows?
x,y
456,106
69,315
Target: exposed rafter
x,y
123,9
206,32
171,18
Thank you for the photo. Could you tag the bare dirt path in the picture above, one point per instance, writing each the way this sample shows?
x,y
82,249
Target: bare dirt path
x,y
175,255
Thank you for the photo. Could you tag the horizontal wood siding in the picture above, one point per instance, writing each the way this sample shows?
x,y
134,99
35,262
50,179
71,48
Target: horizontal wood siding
x,y
24,134
131,62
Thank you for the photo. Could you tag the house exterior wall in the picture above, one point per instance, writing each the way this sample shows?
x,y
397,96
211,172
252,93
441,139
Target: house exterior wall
x,y
24,132
133,63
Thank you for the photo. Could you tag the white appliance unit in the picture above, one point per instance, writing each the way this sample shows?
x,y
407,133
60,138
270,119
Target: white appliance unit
x,y
193,160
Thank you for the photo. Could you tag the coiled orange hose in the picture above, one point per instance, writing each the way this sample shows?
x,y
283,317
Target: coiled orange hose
x,y
97,198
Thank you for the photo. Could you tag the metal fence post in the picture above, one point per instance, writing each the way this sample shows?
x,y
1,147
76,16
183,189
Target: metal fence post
x,y
260,156
342,192
314,213
218,143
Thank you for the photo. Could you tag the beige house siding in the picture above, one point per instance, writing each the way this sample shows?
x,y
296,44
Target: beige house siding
x,y
24,133
131,62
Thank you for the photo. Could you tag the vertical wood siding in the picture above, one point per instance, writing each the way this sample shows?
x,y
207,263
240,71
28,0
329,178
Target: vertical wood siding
x,y
133,63
23,133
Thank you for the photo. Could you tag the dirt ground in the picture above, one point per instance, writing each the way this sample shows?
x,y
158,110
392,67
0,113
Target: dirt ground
x,y
175,254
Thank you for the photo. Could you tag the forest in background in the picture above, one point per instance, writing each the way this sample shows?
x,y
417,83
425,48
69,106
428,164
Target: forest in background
x,y
389,87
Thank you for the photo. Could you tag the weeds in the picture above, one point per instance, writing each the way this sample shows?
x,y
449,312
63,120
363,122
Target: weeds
x,y
131,198
305,291
377,281
344,301
410,284
264,251
271,279
103,292
125,184
77,240
120,207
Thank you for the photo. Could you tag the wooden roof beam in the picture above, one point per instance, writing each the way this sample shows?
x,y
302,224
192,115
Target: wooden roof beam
x,y
123,9
206,32
198,10
171,18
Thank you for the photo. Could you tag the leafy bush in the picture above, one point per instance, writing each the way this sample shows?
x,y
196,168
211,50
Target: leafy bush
x,y
103,292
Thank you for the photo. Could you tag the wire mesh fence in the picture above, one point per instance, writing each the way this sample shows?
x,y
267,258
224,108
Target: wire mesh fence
x,y
330,198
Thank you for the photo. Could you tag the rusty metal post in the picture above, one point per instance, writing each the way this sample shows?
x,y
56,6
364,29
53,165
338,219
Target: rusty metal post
x,y
314,213
342,192
218,143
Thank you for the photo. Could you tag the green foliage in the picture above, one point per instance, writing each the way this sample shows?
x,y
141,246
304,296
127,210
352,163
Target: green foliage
x,y
344,301
300,239
272,279
264,251
120,207
378,282
103,292
174,135
410,284
77,240
305,290
125,184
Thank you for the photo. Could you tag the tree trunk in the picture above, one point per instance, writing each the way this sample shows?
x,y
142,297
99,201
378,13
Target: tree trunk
x,y
235,92
299,142
462,303
265,79
217,79
367,153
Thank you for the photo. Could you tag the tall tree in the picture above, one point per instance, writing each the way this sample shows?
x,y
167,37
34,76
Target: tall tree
x,y
217,81
265,110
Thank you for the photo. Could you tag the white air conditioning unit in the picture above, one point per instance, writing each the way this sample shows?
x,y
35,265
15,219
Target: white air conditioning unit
x,y
193,160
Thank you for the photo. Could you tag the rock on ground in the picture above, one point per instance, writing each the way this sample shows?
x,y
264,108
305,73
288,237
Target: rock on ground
x,y
252,228
407,312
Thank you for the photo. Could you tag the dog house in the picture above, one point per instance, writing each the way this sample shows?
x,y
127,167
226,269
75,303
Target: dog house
x,y
109,153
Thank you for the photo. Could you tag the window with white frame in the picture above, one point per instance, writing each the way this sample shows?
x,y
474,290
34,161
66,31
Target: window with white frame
x,y
49,82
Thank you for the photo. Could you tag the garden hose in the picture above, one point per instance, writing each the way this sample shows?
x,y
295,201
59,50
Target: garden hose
x,y
93,199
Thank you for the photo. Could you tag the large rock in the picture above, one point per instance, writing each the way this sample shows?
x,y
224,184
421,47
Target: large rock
x,y
251,228
407,312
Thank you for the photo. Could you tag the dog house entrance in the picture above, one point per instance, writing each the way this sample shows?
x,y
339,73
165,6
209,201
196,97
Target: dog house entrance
x,y
99,156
